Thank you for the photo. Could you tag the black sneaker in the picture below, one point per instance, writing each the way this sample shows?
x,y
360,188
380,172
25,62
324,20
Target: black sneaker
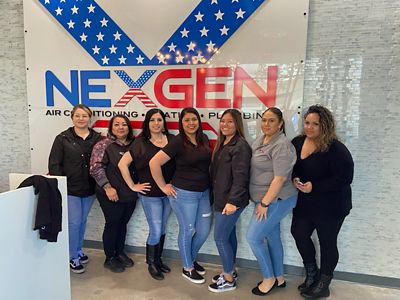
x,y
193,276
75,266
199,268
126,261
222,285
114,265
216,277
83,258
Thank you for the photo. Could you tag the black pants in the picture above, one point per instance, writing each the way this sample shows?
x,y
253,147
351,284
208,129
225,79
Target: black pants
x,y
117,216
327,230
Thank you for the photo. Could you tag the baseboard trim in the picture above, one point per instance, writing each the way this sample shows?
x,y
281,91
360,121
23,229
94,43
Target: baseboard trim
x,y
380,281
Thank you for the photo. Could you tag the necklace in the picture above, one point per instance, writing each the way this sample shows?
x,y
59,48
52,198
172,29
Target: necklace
x,y
158,141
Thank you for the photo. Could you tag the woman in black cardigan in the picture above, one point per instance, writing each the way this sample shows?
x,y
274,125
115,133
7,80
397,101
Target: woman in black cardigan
x,y
322,174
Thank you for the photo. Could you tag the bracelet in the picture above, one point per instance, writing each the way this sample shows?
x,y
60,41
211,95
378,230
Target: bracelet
x,y
263,204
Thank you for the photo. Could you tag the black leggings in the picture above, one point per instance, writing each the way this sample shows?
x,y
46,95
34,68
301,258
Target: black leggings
x,y
117,216
327,230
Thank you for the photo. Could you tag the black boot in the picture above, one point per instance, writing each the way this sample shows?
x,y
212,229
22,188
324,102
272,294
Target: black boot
x,y
163,267
320,290
151,260
311,277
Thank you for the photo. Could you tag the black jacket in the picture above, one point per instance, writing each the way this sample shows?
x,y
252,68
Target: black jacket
x,y
331,174
104,168
70,157
230,174
48,217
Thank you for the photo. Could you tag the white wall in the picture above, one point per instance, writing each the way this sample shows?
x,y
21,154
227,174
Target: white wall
x,y
352,66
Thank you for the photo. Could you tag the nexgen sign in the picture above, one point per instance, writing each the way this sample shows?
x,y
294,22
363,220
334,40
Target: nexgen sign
x,y
193,94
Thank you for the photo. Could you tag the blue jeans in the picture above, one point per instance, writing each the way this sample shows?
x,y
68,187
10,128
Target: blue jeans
x,y
193,212
78,210
270,257
225,238
157,211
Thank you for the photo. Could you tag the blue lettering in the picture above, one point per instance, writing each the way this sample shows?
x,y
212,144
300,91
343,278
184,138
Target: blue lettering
x,y
87,88
71,95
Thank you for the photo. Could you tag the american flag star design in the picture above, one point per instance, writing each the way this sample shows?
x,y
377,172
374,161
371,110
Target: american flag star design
x,y
196,40
135,89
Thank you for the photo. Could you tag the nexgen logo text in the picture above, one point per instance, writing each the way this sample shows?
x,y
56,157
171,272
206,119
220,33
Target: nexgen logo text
x,y
81,87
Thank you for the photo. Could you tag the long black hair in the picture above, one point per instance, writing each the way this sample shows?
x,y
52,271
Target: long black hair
x,y
145,135
145,125
200,140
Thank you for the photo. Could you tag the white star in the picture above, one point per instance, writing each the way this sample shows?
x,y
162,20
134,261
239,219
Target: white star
x,y
87,23
224,30
235,1
204,31
172,47
185,32
105,60
75,10
70,24
113,49
161,59
214,1
198,58
139,59
240,13
96,50
46,1
122,60
130,48
104,22
219,15
58,11
83,37
117,36
191,46
179,58
100,36
91,8
199,17
210,46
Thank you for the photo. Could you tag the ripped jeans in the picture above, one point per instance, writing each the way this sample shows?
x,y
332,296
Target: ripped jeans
x,y
193,211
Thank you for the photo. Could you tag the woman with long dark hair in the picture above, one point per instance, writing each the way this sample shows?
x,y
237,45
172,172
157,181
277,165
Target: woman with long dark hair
x,y
230,177
70,157
155,203
322,174
274,196
189,190
117,200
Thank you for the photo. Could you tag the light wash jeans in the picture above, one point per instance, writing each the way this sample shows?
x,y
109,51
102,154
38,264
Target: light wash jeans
x,y
157,211
78,211
270,256
193,211
225,238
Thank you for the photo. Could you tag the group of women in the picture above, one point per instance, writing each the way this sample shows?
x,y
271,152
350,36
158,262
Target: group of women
x,y
311,174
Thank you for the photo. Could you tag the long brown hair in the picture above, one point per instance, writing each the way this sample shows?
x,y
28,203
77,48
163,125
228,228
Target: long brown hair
x,y
327,126
237,119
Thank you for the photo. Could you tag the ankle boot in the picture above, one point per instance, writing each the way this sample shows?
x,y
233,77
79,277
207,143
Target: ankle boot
x,y
320,290
163,267
151,260
311,277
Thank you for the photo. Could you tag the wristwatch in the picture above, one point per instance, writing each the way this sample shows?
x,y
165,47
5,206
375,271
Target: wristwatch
x,y
263,204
